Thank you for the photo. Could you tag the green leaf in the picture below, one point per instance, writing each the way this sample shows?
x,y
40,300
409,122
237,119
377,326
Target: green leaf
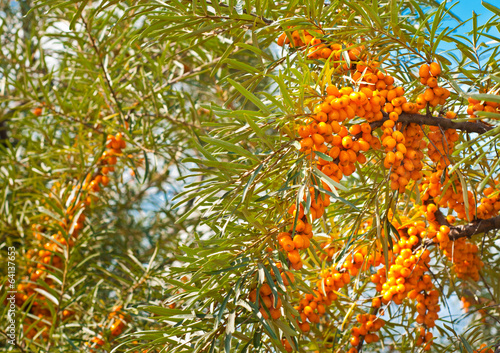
x,y
249,95
229,147
492,8
223,306
258,131
47,295
77,14
284,92
486,97
227,343
232,167
324,156
331,183
466,344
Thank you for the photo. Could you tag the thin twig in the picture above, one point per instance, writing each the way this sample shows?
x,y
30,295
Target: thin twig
x,y
103,68
15,341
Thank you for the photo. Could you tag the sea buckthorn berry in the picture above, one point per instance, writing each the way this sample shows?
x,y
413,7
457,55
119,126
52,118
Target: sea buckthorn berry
x,y
424,71
435,69
347,142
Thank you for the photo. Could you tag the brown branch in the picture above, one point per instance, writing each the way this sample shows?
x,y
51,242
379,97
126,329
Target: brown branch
x,y
467,230
441,218
15,341
106,76
444,123
475,227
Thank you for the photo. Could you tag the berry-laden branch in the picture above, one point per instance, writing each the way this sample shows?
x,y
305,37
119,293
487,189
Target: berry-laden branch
x,y
335,147
444,123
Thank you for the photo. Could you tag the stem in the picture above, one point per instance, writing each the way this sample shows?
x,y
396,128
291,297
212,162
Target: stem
x,y
103,68
468,126
15,341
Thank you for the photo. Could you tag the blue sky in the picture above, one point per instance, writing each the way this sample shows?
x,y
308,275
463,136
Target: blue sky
x,y
464,9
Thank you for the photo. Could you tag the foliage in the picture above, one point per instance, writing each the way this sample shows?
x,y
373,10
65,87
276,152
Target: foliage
x,y
201,114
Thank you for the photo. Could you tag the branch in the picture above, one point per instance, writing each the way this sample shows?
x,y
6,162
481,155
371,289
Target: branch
x,y
475,227
106,76
441,218
182,77
467,230
15,341
468,126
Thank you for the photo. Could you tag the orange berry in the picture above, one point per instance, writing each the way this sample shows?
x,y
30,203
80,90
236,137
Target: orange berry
x,y
432,82
325,53
318,139
265,289
347,142
424,71
298,241
355,129
335,127
435,69
321,116
394,116
429,94
354,340
294,257
444,229
332,91
389,123
304,131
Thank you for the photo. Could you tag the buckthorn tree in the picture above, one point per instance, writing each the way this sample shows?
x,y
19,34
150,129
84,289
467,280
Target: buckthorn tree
x,y
249,176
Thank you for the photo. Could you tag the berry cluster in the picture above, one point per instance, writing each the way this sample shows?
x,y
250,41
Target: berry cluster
x,y
299,38
114,145
311,308
320,49
360,260
451,197
301,236
465,258
433,95
425,338
269,305
462,253
406,277
403,154
50,256
116,322
344,147
407,160
478,106
490,203
369,324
